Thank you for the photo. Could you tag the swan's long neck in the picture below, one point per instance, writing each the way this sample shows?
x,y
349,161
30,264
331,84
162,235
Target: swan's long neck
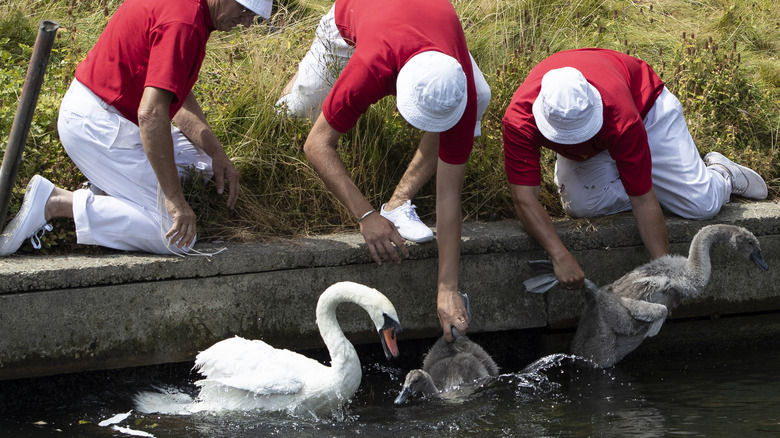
x,y
342,352
698,263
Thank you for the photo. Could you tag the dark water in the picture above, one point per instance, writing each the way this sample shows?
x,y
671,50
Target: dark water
x,y
730,394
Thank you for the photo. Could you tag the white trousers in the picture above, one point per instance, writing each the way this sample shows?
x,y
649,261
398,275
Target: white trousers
x,y
327,57
107,149
681,181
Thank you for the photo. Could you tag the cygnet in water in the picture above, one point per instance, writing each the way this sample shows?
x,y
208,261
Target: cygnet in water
x,y
619,316
450,371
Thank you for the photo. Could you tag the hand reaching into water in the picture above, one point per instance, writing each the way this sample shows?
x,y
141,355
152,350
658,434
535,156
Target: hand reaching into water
x,y
454,314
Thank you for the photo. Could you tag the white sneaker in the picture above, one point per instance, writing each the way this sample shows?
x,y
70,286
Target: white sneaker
x,y
744,181
31,218
409,225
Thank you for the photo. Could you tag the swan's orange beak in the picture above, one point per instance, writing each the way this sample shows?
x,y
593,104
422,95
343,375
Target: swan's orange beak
x,y
387,336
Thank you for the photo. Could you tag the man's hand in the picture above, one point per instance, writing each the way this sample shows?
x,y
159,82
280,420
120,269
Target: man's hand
x,y
569,273
225,171
538,224
182,232
192,123
381,236
384,242
452,313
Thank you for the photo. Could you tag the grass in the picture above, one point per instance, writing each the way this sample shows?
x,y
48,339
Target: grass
x,y
721,58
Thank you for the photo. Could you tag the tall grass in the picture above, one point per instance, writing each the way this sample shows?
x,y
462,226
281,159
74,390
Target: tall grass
x,y
719,57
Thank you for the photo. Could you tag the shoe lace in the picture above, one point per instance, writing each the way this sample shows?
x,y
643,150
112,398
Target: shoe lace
x,y
35,239
738,185
411,213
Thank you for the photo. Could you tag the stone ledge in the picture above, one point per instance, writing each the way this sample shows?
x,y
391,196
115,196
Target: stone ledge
x,y
87,312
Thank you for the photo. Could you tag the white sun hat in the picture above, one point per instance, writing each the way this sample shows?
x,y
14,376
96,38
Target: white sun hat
x,y
431,91
568,109
259,7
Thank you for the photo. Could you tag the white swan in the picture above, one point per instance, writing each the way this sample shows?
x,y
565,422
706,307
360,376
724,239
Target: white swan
x,y
450,371
619,316
245,374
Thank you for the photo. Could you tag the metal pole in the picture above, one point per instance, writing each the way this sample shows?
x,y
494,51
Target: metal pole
x,y
24,112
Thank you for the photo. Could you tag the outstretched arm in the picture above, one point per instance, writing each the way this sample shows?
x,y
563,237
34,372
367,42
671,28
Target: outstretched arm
x,y
155,127
539,225
380,234
192,123
651,224
450,306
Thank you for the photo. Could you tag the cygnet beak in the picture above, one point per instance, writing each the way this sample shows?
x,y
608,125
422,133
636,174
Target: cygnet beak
x,y
406,392
758,259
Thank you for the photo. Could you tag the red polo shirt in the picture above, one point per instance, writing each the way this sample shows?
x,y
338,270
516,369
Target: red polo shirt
x,y
385,35
628,87
147,43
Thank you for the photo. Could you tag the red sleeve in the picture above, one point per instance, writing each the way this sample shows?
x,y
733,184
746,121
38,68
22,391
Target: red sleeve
x,y
456,143
521,155
173,56
356,89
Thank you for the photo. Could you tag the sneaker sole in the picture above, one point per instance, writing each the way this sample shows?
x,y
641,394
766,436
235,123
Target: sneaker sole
x,y
419,240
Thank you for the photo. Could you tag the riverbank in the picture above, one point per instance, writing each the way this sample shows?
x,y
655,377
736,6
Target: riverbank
x,y
77,313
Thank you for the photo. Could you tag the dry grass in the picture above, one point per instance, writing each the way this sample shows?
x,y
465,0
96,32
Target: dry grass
x,y
245,71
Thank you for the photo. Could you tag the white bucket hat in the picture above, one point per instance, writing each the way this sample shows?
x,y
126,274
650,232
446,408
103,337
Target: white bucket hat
x,y
431,91
568,109
259,7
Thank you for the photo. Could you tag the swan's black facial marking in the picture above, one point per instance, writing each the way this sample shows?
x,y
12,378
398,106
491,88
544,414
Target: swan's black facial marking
x,y
387,336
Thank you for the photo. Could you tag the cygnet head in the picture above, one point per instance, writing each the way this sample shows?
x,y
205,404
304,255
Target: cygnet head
x,y
745,243
417,382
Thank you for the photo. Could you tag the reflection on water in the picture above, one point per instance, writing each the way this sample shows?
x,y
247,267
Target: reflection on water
x,y
703,395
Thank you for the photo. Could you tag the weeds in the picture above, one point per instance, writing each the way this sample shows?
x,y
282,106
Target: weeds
x,y
725,70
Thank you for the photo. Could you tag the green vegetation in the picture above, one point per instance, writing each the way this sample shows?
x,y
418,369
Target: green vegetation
x,y
719,57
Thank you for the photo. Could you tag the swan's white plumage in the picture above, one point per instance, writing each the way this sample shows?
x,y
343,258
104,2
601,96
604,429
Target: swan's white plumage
x,y
254,366
241,374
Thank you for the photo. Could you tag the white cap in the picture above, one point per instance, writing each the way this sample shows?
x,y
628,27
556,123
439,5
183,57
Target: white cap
x,y
568,109
259,7
431,91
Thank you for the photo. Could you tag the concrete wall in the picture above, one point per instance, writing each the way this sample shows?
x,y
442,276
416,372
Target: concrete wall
x,y
89,312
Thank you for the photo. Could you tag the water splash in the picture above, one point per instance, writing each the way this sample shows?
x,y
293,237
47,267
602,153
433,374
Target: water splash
x,y
548,377
164,400
547,362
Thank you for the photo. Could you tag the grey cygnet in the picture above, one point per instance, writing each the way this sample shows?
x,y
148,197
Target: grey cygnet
x,y
450,371
619,316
